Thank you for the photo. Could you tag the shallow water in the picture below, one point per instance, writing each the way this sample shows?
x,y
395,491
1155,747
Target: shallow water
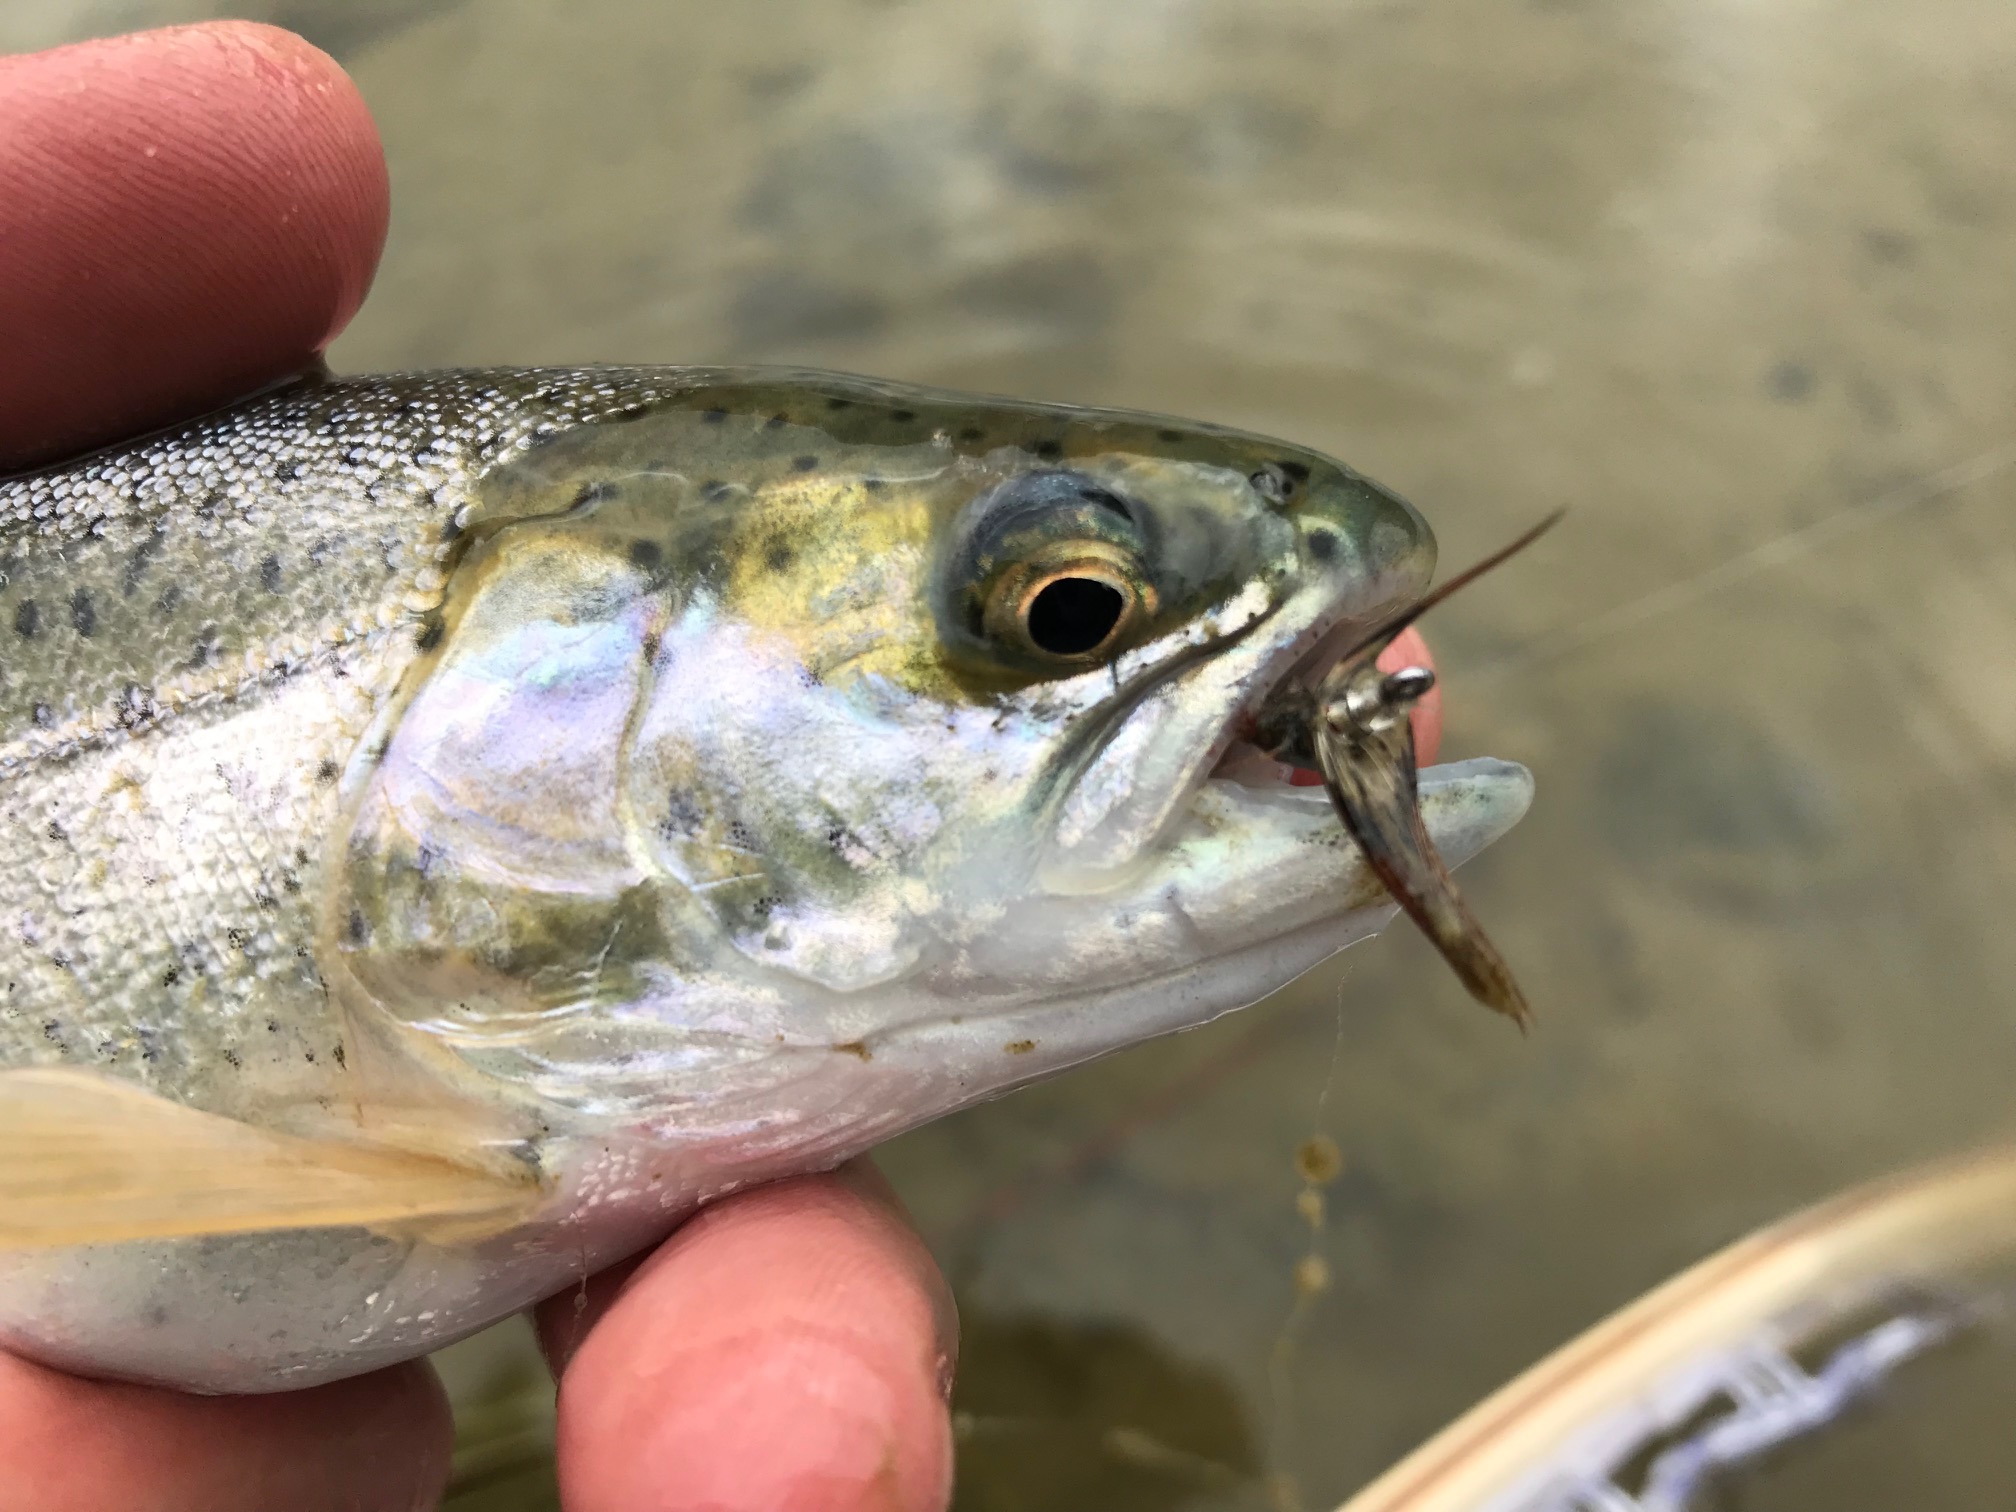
x,y
1712,273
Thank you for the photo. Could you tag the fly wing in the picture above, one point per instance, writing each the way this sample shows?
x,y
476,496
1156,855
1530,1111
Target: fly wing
x,y
85,1159
1371,780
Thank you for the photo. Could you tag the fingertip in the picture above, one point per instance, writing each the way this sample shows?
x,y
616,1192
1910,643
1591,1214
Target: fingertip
x,y
788,1347
68,1444
185,215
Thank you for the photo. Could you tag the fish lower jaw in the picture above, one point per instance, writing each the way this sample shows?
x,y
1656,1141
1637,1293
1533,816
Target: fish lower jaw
x,y
1466,804
1251,859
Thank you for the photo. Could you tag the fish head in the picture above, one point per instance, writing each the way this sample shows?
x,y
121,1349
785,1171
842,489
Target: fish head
x,y
815,754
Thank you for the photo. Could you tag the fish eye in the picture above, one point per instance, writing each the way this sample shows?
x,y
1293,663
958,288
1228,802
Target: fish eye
x,y
1050,570
1076,612
1070,603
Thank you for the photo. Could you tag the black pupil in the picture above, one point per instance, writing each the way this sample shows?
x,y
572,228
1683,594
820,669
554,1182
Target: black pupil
x,y
1074,615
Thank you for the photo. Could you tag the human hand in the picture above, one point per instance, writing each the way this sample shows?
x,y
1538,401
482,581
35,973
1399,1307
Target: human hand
x,y
185,216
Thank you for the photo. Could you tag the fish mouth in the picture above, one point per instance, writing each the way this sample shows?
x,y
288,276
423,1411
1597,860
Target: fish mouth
x,y
1254,741
1198,721
1352,721
1313,716
1335,708
1275,737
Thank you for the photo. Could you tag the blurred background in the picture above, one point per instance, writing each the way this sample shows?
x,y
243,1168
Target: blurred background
x,y
1734,280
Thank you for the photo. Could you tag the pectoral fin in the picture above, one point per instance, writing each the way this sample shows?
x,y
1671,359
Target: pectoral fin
x,y
85,1159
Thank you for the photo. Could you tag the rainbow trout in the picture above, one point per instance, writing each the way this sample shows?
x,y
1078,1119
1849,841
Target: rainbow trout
x,y
455,824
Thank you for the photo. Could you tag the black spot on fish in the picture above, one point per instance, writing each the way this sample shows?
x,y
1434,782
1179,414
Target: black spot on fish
x,y
338,1056
430,634
236,938
1048,449
269,574
713,416
143,555
649,646
592,493
360,928
52,1031
903,415
171,596
171,976
739,837
682,816
83,614
779,556
135,706
779,420
804,464
308,1056
27,619
1322,545
645,555
874,485
45,717
289,883
56,831
1298,472
970,433
231,1059
272,1026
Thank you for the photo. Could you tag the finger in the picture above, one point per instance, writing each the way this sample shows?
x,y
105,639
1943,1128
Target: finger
x,y
790,1347
185,215
377,1443
1410,650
